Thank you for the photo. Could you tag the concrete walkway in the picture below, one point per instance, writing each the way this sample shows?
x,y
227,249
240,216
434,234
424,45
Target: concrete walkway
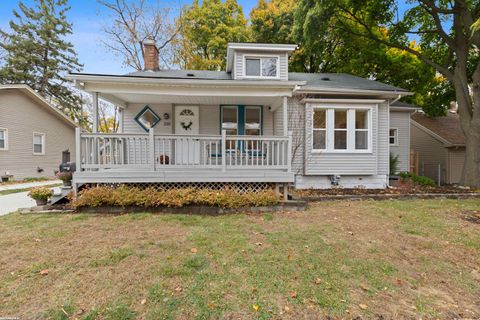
x,y
25,185
14,201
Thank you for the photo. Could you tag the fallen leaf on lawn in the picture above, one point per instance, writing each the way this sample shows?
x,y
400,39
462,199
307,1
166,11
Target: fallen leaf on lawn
x,y
143,301
363,306
287,309
258,243
178,289
37,240
193,250
289,257
293,294
364,287
400,282
318,281
254,290
256,307
44,272
211,306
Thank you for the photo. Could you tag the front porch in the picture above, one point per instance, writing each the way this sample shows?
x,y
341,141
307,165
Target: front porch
x,y
152,158
184,131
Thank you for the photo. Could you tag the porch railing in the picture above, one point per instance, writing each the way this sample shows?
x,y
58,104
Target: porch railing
x,y
152,152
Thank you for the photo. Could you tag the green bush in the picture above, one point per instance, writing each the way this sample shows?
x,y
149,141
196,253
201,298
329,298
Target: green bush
x,y
420,180
125,196
393,164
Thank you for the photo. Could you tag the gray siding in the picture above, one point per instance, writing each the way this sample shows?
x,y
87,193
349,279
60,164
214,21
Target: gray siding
x,y
238,67
431,153
296,124
456,160
401,121
209,119
22,116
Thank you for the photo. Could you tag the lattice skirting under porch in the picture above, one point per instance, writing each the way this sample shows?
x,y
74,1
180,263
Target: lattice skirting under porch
x,y
239,186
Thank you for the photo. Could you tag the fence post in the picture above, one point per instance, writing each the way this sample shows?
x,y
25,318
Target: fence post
x,y
152,149
224,153
439,174
78,149
289,151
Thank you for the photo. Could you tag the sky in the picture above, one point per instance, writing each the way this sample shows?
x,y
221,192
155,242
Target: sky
x,y
87,17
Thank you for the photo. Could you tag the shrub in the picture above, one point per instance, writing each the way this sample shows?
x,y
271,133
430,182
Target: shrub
x,y
420,180
40,193
65,176
393,164
125,196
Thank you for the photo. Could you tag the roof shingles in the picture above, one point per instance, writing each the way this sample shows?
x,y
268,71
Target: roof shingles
x,y
448,127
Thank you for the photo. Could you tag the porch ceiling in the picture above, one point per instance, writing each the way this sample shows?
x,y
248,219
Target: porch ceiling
x,y
130,98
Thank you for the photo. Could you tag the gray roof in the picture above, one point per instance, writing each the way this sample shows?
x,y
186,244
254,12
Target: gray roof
x,y
183,74
404,105
313,80
340,81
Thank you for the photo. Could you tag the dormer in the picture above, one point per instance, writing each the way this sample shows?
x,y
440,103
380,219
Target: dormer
x,y
258,61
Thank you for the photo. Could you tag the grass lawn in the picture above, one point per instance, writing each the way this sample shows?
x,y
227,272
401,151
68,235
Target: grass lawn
x,y
396,259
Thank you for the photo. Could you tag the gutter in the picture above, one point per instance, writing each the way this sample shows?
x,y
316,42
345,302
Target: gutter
x,y
79,78
398,94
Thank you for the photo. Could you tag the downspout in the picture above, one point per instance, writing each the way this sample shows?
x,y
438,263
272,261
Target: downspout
x,y
396,99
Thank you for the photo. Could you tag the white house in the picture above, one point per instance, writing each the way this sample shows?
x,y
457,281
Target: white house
x,y
254,124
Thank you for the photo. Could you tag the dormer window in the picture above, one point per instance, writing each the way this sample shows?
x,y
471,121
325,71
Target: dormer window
x,y
261,67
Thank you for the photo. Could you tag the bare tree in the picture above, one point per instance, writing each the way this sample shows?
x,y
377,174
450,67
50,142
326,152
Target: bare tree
x,y
134,22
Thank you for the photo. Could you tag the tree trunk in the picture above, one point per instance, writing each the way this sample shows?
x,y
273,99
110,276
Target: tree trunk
x,y
471,169
469,112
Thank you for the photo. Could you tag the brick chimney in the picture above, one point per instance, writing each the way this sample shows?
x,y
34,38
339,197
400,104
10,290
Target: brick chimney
x,y
150,55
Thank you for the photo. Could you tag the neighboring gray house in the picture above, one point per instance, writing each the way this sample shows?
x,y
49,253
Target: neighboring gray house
x,y
399,133
440,144
254,124
34,136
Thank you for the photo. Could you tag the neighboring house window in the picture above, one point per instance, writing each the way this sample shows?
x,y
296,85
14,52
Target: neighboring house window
x,y
261,67
38,143
341,129
393,137
3,139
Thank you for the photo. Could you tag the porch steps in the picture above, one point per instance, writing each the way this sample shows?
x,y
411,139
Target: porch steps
x,y
60,194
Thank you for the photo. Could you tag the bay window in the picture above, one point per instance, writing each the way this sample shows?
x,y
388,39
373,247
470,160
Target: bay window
x,y
341,129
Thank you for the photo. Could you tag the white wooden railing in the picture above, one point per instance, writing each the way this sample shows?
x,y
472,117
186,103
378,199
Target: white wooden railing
x,y
99,151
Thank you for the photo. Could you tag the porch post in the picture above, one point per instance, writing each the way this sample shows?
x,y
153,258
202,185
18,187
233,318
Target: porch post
x,y
289,151
285,116
95,112
224,153
152,149
78,150
120,119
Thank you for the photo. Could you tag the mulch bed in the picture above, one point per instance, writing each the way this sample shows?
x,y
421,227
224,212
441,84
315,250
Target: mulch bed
x,y
405,192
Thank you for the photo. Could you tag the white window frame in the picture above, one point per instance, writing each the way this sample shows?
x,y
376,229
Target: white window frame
x,y
260,56
43,144
395,137
5,130
351,130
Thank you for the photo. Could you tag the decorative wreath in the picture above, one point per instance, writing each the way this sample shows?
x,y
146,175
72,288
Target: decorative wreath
x,y
187,126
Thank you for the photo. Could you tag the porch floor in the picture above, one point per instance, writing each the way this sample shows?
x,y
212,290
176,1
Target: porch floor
x,y
183,175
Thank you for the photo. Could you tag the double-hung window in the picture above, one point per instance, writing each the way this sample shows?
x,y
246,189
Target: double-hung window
x,y
393,136
341,129
261,67
3,139
38,143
